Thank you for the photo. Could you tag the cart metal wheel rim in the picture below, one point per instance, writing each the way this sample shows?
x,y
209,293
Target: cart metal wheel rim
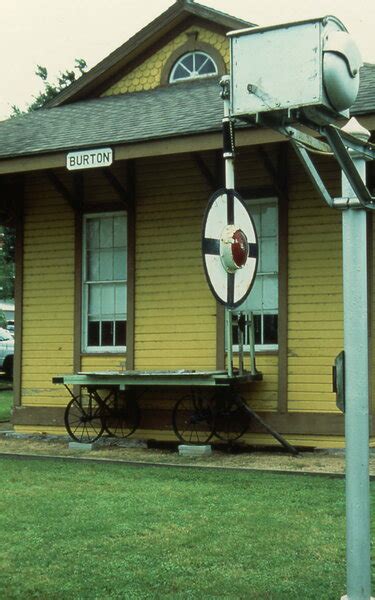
x,y
231,421
193,420
83,419
122,416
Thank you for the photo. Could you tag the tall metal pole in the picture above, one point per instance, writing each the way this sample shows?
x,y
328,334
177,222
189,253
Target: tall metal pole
x,y
354,230
228,155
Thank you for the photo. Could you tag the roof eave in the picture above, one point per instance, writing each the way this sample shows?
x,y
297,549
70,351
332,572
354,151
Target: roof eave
x,y
128,51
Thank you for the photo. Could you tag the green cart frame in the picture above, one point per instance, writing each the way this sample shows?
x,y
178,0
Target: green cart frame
x,y
108,402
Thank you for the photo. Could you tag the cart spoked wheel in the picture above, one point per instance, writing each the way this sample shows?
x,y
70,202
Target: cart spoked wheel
x,y
231,421
83,418
193,419
122,414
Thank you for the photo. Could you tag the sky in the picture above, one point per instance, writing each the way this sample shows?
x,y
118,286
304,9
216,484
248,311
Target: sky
x,y
52,33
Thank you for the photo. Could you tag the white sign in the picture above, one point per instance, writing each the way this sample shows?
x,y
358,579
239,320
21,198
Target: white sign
x,y
89,159
229,248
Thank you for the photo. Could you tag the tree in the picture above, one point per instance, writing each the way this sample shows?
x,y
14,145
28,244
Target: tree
x,y
52,89
7,269
7,234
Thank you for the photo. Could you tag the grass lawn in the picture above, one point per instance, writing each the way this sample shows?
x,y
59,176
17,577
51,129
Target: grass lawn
x,y
88,531
6,401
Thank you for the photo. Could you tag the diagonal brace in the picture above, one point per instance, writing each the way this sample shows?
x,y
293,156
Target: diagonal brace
x,y
270,429
345,161
317,181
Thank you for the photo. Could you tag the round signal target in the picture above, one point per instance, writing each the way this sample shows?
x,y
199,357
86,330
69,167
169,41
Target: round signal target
x,y
229,248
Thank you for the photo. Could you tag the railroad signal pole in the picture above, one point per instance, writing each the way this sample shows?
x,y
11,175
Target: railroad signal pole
x,y
355,276
307,74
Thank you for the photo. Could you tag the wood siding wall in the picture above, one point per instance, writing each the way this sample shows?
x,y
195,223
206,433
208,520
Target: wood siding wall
x,y
315,316
48,292
175,315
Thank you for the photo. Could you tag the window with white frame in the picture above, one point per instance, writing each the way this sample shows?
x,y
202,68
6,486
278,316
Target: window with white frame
x,y
193,65
104,282
263,299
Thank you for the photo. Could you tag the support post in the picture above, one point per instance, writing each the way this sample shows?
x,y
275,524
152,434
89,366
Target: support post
x,y
354,230
228,155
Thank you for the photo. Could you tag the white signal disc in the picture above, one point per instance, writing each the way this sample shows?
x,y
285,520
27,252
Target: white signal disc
x,y
228,232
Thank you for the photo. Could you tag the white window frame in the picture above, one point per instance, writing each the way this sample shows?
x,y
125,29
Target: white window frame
x,y
192,74
259,201
85,285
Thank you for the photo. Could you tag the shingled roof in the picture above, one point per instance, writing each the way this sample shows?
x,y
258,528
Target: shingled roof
x,y
188,108
182,12
365,102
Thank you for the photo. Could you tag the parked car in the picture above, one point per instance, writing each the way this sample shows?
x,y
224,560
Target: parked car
x,y
10,326
6,352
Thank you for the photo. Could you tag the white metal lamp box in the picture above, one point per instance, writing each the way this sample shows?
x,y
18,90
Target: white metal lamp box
x,y
313,65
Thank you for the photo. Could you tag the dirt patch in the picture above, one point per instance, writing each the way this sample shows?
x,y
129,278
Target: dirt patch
x,y
308,462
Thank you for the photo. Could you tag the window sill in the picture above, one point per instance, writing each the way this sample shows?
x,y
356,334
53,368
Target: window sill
x,y
103,353
258,353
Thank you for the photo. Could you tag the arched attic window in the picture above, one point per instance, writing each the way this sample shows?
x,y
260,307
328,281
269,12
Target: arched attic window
x,y
193,65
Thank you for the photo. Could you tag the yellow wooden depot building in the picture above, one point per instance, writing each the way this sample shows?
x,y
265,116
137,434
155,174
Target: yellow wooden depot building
x,y
90,298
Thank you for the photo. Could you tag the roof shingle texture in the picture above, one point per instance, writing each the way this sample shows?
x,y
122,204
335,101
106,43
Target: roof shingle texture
x,y
171,111
175,110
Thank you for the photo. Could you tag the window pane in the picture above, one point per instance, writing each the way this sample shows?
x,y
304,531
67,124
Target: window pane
x,y
106,233
120,264
234,335
94,300
269,221
92,233
187,62
120,331
207,68
107,333
93,333
270,329
108,300
92,265
106,265
254,299
199,60
268,256
120,300
270,292
104,300
258,329
180,73
119,232
255,213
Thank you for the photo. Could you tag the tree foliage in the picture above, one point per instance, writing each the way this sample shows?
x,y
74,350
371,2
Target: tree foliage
x,y
51,89
7,234
7,256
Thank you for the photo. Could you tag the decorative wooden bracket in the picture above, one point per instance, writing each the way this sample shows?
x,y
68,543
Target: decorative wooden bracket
x,y
74,199
11,200
125,196
275,172
210,178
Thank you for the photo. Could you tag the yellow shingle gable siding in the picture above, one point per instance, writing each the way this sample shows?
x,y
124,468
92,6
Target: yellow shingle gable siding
x,y
147,75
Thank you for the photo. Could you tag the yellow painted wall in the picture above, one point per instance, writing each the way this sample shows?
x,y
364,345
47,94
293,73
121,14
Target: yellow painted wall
x,y
315,312
147,75
175,314
48,293
175,317
263,395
